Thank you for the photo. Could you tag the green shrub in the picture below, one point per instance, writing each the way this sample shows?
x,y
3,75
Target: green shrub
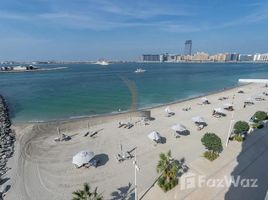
x,y
260,116
239,138
259,126
161,181
210,155
166,186
168,167
212,142
241,127
173,183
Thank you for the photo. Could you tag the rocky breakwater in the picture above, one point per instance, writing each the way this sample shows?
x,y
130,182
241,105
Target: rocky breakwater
x,y
7,139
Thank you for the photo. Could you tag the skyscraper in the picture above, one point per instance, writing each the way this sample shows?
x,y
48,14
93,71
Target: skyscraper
x,y
188,47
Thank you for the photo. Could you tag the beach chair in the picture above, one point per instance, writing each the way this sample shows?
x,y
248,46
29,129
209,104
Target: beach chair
x,y
94,162
119,158
86,134
129,125
259,99
121,124
200,127
186,109
57,139
169,113
66,137
93,134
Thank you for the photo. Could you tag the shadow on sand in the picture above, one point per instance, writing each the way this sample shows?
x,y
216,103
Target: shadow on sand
x,y
124,193
103,158
252,165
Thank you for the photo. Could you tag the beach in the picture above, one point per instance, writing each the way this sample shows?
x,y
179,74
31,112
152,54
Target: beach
x,y
42,168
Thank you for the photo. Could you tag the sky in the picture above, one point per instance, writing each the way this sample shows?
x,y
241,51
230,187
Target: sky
x,y
125,29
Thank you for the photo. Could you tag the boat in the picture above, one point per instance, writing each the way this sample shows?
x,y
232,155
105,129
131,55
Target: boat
x,y
102,62
139,70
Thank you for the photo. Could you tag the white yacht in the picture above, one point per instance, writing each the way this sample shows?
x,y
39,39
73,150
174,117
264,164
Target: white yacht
x,y
139,70
102,62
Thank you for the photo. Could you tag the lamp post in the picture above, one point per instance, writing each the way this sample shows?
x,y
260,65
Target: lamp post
x,y
136,168
231,123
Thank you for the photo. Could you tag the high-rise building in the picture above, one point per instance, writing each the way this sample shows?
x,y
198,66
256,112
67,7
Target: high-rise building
x,y
188,47
246,57
150,58
232,57
263,57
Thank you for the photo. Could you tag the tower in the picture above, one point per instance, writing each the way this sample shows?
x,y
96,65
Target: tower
x,y
188,47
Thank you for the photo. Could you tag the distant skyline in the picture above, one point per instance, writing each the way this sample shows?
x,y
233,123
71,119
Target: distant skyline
x,y
123,30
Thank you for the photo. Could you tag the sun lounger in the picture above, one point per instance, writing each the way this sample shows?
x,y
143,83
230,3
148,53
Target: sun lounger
x,y
57,139
63,138
229,108
222,98
94,162
86,134
169,113
130,126
248,103
200,127
121,124
259,99
119,158
217,115
186,109
93,134
66,137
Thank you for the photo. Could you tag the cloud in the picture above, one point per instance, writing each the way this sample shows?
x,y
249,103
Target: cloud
x,y
104,15
143,9
257,15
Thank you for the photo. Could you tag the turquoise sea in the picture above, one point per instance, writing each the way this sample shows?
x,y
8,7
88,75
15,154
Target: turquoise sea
x,y
88,89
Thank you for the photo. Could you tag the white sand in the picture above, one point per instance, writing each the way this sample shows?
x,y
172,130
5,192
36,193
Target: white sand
x,y
42,168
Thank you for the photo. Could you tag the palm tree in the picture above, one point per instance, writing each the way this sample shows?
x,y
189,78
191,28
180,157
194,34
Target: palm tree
x,y
168,166
86,194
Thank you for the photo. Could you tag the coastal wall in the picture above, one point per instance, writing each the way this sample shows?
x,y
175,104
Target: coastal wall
x,y
253,81
7,139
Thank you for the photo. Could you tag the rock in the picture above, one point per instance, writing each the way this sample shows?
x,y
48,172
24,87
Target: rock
x,y
7,139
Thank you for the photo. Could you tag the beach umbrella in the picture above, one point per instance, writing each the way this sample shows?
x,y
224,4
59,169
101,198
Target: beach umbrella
x,y
198,119
227,105
167,110
250,100
82,157
204,99
219,110
260,95
154,136
179,128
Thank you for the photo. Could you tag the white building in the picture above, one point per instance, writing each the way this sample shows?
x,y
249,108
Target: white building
x,y
256,57
261,57
19,68
264,57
